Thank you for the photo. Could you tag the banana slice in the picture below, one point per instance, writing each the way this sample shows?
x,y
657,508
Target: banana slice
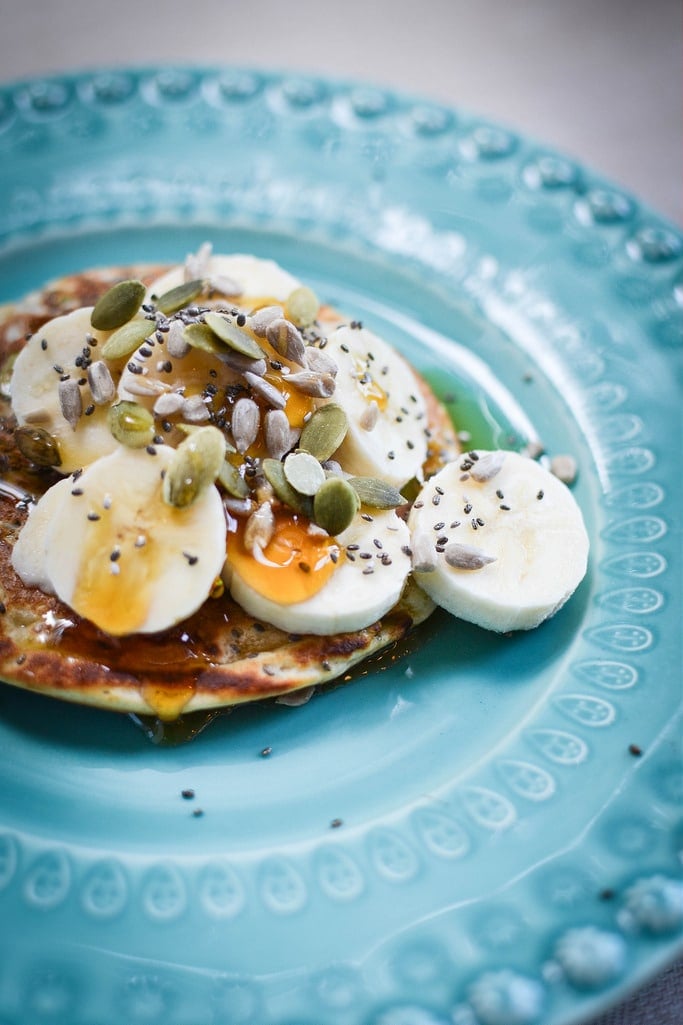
x,y
50,389
498,541
302,581
30,549
234,275
118,555
384,404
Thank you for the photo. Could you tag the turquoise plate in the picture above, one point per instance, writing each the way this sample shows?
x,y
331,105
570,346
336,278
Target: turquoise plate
x,y
478,830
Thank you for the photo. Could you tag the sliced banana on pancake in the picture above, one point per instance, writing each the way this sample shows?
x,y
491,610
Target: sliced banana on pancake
x,y
385,407
303,581
121,556
498,541
52,394
234,276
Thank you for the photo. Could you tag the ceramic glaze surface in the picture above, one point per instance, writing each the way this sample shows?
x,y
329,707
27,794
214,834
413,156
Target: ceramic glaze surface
x,y
477,830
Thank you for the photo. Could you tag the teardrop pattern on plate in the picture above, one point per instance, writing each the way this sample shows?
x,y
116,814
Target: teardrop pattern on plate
x,y
441,834
164,896
527,780
641,565
338,874
104,891
221,891
589,711
636,530
489,809
560,747
391,856
48,881
632,461
606,673
640,601
620,637
282,887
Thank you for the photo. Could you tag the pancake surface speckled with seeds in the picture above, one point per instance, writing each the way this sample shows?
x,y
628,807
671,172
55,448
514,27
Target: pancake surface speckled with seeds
x,y
218,656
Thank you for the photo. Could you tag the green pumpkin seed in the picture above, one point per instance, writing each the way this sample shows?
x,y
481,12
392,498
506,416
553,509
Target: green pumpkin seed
x,y
195,465
335,505
127,339
376,493
117,305
303,472
131,424
231,481
182,295
37,445
302,306
274,473
324,432
200,336
233,336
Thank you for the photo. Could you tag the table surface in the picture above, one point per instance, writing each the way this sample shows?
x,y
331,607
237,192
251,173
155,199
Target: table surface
x,y
599,80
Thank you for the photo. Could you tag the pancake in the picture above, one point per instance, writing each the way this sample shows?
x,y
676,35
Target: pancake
x,y
218,656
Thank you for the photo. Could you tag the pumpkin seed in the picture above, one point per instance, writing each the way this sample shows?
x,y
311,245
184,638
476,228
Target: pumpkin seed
x,y
180,296
117,305
70,401
304,472
233,336
461,556
231,481
38,445
302,306
335,505
324,432
376,493
195,466
274,473
131,424
200,336
127,339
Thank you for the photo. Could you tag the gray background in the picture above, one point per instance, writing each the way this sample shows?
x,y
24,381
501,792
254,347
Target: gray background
x,y
599,80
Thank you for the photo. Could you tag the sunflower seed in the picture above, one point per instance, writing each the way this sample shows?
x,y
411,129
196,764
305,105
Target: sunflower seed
x,y
423,554
260,527
169,404
101,383
225,285
246,420
335,505
564,468
369,417
260,320
461,556
286,339
177,345
70,401
325,431
320,386
487,466
117,305
197,264
280,437
319,362
194,410
304,472
266,390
